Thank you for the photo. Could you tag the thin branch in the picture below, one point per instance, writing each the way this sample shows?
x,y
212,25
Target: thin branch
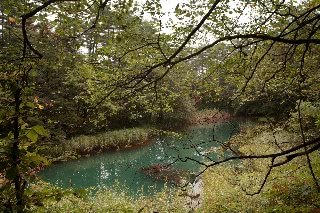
x,y
135,49
102,5
264,37
191,34
264,180
26,42
288,153
301,25
305,148
158,42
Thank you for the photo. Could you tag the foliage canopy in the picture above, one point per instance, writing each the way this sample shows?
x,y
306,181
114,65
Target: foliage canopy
x,y
69,67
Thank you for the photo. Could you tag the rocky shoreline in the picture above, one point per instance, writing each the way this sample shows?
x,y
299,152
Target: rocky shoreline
x,y
194,194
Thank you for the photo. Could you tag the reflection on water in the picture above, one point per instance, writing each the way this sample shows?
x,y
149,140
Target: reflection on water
x,y
125,166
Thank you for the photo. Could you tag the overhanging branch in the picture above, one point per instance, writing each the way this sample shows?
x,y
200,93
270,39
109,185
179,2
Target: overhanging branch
x,y
26,42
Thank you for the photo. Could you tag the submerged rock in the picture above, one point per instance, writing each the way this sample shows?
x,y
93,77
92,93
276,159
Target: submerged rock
x,y
166,173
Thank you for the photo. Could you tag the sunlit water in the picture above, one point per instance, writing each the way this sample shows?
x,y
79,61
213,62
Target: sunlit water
x,y
124,167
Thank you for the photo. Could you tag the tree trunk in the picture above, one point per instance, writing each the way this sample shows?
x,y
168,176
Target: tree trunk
x,y
19,191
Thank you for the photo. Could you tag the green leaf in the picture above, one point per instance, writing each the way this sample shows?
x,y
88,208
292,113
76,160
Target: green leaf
x,y
41,131
30,104
10,135
6,11
34,159
32,135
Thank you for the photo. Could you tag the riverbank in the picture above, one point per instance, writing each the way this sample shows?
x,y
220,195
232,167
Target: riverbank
x,y
86,145
190,200
135,138
210,116
220,188
116,199
289,188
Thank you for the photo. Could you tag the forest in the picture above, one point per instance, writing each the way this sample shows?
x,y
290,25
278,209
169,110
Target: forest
x,y
83,77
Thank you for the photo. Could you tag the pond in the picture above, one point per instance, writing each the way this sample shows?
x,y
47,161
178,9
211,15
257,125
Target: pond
x,y
124,167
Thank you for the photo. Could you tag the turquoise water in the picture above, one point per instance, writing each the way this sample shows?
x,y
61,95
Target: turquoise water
x,y
124,166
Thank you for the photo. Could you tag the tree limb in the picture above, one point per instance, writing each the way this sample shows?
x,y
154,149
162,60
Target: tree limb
x,y
26,42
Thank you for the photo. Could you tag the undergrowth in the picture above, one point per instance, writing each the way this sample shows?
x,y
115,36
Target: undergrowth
x,y
289,188
89,144
114,200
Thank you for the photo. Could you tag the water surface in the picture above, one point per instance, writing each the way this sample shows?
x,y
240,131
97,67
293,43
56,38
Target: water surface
x,y
124,166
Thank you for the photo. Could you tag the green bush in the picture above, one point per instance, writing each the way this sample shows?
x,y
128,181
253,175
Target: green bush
x,y
180,116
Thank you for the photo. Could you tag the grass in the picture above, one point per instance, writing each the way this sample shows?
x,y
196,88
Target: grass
x,y
85,145
289,188
112,200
